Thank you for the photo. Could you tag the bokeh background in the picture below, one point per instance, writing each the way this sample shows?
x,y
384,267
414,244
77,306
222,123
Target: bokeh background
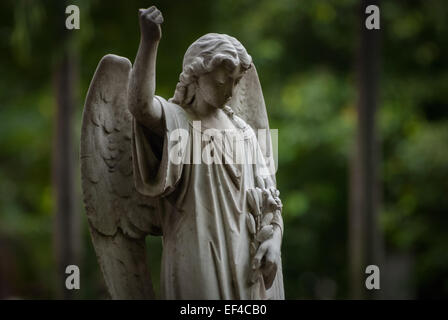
x,y
363,136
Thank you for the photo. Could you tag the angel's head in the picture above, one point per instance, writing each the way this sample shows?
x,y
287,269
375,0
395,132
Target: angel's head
x,y
212,67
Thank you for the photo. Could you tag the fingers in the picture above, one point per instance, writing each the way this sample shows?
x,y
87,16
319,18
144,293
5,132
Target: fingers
x,y
147,11
270,257
269,276
152,14
269,263
157,17
269,270
256,262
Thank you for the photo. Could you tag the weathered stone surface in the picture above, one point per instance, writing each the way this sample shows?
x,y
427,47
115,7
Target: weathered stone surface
x,y
221,236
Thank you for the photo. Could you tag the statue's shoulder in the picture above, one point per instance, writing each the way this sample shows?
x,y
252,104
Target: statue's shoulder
x,y
173,110
164,102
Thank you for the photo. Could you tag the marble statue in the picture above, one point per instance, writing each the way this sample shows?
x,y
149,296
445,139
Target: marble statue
x,y
152,166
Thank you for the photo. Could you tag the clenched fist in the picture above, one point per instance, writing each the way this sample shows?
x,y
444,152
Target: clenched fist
x,y
150,21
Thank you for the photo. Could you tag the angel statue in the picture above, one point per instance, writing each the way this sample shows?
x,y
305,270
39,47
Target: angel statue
x,y
152,166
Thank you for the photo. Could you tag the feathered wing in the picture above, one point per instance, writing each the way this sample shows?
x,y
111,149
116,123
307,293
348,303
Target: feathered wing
x,y
248,103
119,217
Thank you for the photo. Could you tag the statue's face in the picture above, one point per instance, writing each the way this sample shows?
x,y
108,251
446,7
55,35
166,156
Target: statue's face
x,y
216,87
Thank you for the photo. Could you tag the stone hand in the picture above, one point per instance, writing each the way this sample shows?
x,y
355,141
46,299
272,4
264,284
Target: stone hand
x,y
267,257
150,21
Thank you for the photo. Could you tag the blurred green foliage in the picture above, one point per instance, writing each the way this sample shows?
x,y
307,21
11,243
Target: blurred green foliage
x,y
305,55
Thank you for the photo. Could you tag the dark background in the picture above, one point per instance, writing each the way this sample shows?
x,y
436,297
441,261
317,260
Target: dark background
x,y
363,136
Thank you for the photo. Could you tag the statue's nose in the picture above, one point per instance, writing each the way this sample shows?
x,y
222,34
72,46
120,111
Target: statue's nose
x,y
228,92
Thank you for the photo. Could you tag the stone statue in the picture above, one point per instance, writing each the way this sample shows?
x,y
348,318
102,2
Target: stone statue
x,y
220,221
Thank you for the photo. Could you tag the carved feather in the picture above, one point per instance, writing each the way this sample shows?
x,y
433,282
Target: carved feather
x,y
248,103
119,217
106,159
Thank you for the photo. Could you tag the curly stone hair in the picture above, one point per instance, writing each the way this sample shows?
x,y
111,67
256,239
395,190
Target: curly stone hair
x,y
206,53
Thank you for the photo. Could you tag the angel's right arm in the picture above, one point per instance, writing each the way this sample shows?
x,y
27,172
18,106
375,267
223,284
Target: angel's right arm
x,y
142,103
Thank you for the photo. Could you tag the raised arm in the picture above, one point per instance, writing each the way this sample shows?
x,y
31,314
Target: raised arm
x,y
142,85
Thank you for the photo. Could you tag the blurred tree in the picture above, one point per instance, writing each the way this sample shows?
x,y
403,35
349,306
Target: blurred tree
x,y
304,52
364,236
66,232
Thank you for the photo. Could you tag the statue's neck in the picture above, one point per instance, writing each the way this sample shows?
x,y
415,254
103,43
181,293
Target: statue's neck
x,y
213,118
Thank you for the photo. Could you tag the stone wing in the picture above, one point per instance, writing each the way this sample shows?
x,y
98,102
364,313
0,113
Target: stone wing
x,y
248,103
119,217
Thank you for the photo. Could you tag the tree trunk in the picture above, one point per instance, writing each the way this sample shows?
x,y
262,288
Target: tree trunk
x,y
66,233
364,238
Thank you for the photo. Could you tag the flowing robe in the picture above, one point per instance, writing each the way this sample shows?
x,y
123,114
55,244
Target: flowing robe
x,y
203,209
